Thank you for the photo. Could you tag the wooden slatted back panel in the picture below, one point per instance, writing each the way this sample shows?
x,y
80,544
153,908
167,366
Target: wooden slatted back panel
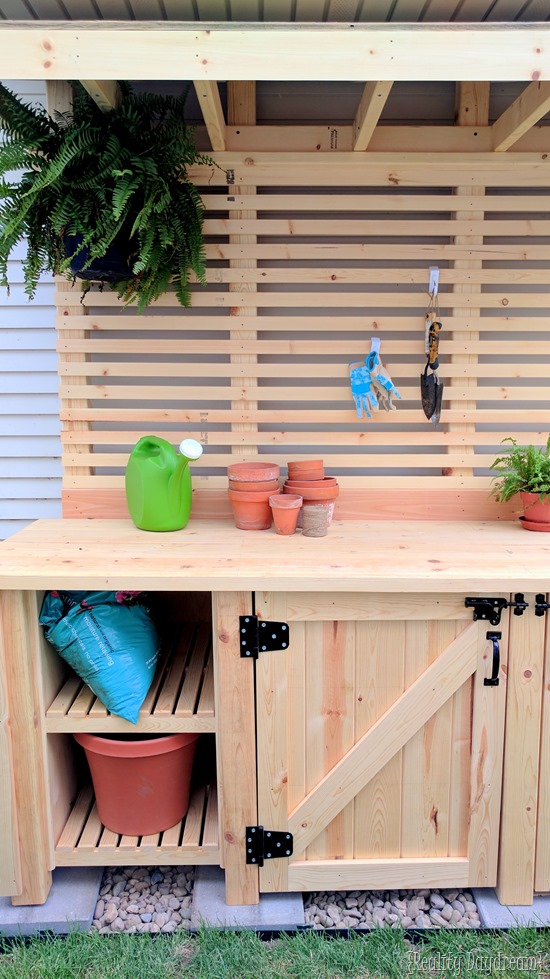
x,y
304,270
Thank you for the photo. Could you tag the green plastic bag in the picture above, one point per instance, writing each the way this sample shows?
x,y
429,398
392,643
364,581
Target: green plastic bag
x,y
110,641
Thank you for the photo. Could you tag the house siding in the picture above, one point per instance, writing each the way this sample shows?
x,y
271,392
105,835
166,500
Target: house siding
x,y
30,446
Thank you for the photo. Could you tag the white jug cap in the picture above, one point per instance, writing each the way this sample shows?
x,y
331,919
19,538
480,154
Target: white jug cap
x,y
191,449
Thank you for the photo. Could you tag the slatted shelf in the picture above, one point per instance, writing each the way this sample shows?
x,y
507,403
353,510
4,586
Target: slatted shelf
x,y
84,841
181,697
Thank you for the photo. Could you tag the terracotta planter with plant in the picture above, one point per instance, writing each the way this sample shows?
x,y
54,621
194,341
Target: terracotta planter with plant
x,y
525,471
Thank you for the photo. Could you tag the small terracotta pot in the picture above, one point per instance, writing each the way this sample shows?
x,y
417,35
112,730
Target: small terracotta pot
x,y
317,494
251,511
307,476
253,472
286,510
297,484
534,510
244,486
305,464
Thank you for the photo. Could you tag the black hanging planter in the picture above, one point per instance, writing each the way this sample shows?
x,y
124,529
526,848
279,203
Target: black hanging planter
x,y
114,266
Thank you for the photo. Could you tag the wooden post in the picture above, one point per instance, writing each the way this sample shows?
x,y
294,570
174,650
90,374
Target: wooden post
x,y
542,858
19,641
10,868
59,99
236,745
241,111
521,758
472,110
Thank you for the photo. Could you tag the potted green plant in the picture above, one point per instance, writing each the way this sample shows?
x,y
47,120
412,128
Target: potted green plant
x,y
96,181
525,470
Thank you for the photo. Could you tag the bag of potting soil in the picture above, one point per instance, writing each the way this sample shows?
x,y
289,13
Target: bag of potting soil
x,y
109,639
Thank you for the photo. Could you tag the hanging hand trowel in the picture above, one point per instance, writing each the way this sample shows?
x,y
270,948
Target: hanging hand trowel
x,y
431,387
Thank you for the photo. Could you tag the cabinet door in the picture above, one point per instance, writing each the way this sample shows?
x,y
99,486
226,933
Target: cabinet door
x,y
379,745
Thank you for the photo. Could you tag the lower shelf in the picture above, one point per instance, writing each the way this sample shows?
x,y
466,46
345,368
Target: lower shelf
x,y
84,840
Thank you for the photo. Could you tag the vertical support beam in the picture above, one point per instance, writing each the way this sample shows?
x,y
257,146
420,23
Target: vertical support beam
x,y
59,99
472,110
10,866
241,111
19,641
516,874
236,745
542,857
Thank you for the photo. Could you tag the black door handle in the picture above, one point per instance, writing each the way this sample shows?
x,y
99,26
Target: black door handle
x,y
493,680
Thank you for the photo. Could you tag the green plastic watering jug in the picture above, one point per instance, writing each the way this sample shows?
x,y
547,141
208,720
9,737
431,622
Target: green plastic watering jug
x,y
158,483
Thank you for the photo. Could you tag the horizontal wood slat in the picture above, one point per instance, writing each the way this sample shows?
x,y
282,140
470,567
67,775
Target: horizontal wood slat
x,y
331,256
446,502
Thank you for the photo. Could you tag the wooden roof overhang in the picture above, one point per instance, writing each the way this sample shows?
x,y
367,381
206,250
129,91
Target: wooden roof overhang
x,y
253,51
99,52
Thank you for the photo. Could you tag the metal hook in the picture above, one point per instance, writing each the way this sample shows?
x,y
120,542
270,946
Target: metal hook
x,y
433,287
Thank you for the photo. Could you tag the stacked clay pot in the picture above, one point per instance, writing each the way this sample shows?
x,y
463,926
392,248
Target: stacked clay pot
x,y
309,481
250,486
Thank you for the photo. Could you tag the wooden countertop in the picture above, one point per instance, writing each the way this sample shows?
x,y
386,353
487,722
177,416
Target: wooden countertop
x,y
406,556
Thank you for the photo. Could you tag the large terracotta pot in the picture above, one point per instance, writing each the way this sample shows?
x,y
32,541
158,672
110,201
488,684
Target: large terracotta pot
x,y
141,783
317,493
251,511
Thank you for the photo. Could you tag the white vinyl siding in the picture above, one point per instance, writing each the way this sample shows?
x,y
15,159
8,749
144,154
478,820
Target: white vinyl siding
x,y
30,448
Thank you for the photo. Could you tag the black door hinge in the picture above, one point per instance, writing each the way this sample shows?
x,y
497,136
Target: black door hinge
x,y
490,609
541,605
267,844
258,636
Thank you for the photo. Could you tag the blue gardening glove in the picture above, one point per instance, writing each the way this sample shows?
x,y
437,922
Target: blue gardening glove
x,y
381,380
362,390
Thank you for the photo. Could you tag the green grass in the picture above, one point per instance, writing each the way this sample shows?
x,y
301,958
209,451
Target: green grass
x,y
382,954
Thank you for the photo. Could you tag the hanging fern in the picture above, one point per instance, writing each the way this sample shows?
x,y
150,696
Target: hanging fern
x,y
98,177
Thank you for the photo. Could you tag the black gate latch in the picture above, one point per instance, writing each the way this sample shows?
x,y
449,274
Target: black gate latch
x,y
541,605
257,636
267,844
490,609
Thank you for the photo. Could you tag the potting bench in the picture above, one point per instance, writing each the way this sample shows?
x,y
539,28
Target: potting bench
x,y
370,735
372,739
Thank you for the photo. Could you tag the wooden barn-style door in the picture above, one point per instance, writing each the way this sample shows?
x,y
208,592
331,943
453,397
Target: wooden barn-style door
x,y
379,744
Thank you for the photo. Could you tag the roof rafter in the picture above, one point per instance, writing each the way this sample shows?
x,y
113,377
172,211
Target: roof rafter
x,y
522,115
271,52
106,94
210,104
370,109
